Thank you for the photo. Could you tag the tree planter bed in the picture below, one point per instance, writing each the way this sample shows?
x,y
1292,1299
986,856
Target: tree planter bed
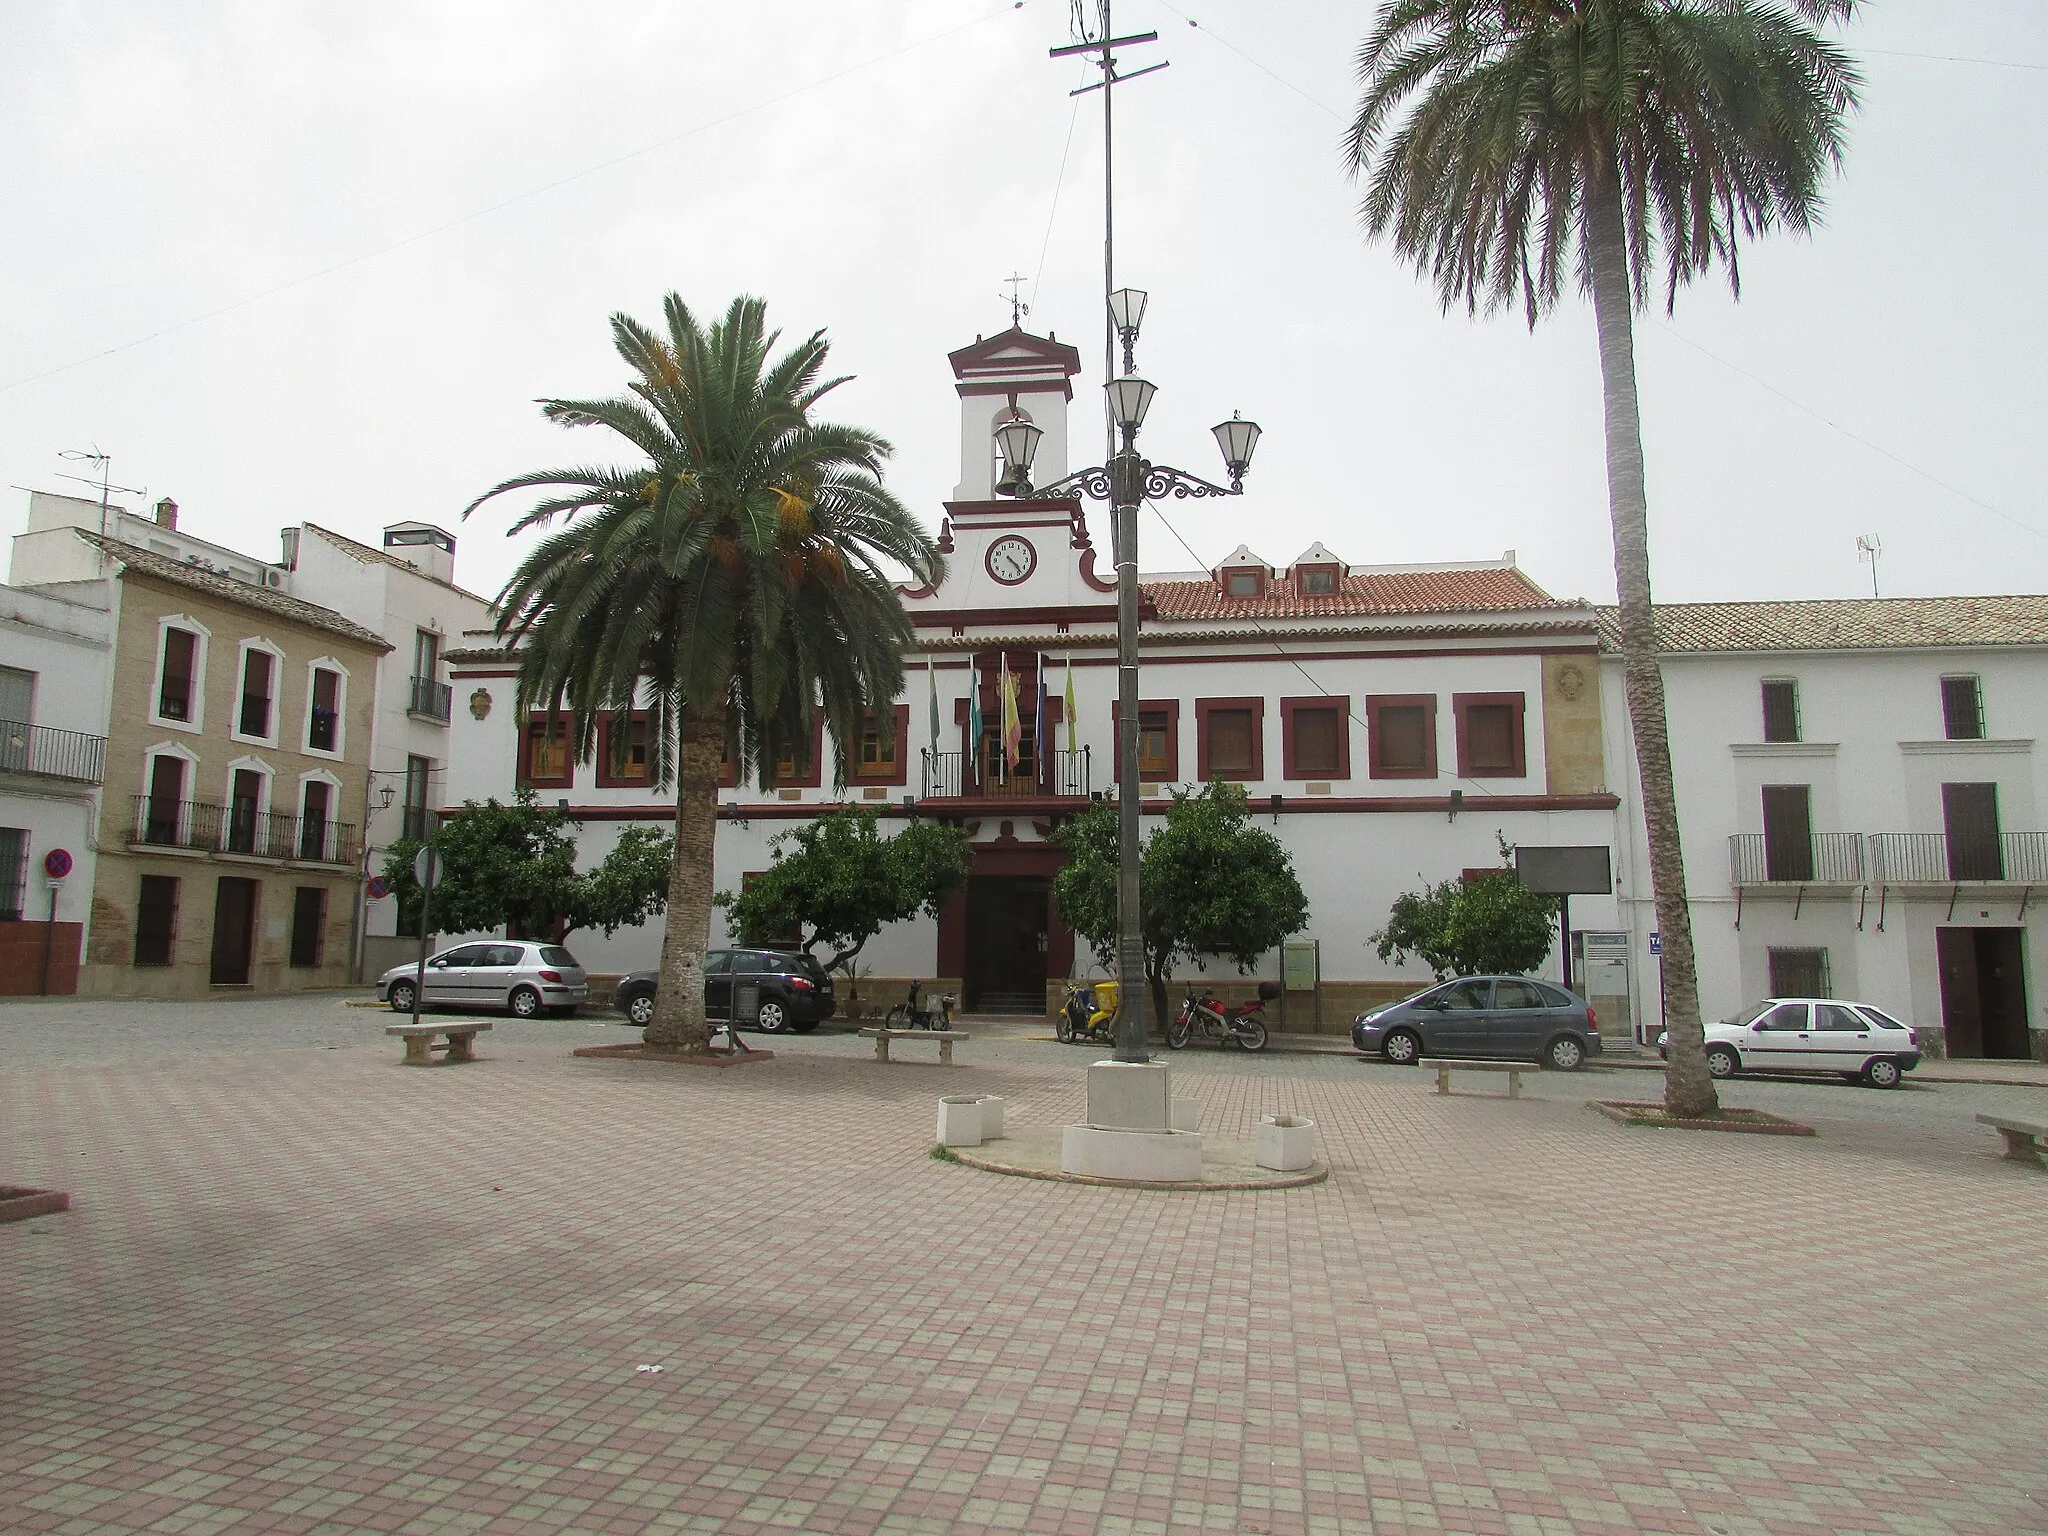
x,y
18,1203
633,1051
1751,1122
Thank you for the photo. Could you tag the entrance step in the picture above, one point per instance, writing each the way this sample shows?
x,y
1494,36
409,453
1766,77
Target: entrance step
x,y
1028,1003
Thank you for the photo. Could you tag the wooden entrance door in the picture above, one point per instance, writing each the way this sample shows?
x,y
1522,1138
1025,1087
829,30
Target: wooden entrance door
x,y
234,931
2002,993
1006,944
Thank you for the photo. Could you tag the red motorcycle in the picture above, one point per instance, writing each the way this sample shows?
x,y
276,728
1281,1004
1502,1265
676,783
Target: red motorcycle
x,y
1242,1024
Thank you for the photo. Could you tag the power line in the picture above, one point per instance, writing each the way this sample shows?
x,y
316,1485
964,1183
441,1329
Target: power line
x,y
1007,8
1052,213
1951,58
1877,448
1224,42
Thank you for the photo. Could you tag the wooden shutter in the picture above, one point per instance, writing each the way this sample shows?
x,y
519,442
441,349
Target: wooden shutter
x,y
1969,812
1230,743
1318,743
1788,832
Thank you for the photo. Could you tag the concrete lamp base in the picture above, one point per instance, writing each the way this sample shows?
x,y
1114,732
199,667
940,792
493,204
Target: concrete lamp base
x,y
1132,1131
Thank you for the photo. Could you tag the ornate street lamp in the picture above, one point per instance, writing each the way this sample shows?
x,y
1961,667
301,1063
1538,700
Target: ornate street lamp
x,y
1125,481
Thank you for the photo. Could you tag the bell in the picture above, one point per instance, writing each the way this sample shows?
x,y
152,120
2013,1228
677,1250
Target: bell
x,y
1015,482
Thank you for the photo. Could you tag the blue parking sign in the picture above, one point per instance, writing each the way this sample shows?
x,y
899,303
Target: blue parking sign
x,y
1656,943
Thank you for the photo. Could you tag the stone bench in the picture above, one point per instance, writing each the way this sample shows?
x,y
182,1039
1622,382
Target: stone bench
x,y
1445,1067
419,1041
2025,1140
945,1037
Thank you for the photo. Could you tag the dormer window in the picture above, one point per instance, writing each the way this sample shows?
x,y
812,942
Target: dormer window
x,y
1317,581
1243,583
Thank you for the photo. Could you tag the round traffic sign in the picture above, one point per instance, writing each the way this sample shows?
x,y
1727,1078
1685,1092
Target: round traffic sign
x,y
426,867
57,863
379,887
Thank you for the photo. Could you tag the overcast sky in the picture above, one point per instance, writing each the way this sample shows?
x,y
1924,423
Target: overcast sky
x,y
295,261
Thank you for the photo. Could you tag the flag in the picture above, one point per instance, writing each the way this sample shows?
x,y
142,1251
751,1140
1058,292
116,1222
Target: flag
x,y
974,718
931,671
1073,714
1039,744
1013,729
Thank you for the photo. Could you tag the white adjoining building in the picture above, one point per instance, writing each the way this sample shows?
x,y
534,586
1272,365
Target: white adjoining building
x,y
1861,794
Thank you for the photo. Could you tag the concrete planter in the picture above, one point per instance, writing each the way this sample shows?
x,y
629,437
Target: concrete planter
x,y
991,1117
960,1121
1286,1143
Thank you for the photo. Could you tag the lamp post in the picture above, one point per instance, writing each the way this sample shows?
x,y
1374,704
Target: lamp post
x,y
1126,480
359,924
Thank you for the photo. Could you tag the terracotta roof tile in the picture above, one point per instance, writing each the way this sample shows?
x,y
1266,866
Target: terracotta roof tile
x,y
147,562
1843,624
1481,589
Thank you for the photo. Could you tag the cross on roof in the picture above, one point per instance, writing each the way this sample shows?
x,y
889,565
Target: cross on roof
x,y
1018,308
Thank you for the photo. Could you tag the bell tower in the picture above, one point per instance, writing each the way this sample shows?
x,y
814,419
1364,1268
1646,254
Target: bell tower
x,y
1037,372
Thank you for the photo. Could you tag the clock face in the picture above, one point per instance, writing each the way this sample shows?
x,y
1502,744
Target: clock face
x,y
1011,559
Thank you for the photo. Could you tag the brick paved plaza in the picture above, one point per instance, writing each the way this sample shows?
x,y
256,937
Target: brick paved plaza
x,y
305,1289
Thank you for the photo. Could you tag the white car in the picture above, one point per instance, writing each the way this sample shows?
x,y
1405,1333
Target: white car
x,y
523,977
1811,1034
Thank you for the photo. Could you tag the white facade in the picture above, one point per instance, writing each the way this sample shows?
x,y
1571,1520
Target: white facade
x,y
54,687
1887,873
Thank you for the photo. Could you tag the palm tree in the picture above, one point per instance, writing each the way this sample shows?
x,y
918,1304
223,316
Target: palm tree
x,y
735,582
1611,137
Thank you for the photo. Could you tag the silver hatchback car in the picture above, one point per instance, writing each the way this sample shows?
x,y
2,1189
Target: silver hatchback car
x,y
523,977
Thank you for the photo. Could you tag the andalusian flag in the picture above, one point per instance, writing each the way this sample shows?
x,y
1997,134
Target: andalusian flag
x,y
1013,729
974,719
931,671
1039,743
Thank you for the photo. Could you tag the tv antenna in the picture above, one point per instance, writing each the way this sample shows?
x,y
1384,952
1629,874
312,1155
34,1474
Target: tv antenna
x,y
1871,548
105,462
1015,298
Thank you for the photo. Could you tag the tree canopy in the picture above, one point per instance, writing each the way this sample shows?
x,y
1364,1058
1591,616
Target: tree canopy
x,y
514,866
735,581
1486,925
838,881
1213,884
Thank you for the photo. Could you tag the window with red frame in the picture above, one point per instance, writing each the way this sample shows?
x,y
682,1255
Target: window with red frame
x,y
1489,735
544,755
1229,732
625,762
1401,732
1316,741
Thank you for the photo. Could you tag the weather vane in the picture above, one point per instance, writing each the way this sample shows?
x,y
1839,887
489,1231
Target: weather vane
x,y
1018,308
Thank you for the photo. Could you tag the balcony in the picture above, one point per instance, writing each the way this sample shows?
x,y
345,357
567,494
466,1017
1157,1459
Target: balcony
x,y
1066,775
1939,858
431,700
1819,858
196,826
48,754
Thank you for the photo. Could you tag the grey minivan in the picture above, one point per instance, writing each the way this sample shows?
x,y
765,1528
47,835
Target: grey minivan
x,y
1502,1018
519,975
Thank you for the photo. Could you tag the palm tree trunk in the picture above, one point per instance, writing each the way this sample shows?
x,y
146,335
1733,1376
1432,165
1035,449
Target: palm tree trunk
x,y
1688,1090
679,1021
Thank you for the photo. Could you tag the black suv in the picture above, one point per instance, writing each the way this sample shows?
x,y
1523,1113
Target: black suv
x,y
795,991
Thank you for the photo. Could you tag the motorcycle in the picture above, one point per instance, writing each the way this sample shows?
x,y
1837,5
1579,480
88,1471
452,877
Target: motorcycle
x,y
1089,1014
1242,1024
913,1014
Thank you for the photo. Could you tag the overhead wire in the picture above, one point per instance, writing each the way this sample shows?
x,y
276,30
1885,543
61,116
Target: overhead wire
x,y
1007,8
1758,380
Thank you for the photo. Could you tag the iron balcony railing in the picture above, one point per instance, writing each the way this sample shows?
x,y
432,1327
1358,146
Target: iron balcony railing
x,y
240,828
1937,858
37,749
432,699
1819,858
1065,774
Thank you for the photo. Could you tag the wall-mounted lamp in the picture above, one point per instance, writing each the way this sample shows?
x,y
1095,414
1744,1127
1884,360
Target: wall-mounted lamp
x,y
385,796
1457,802
1277,799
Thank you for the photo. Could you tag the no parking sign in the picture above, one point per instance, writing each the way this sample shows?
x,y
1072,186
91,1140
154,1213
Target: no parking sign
x,y
57,864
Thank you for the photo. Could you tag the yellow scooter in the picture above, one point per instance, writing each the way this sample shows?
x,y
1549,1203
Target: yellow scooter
x,y
1088,1015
